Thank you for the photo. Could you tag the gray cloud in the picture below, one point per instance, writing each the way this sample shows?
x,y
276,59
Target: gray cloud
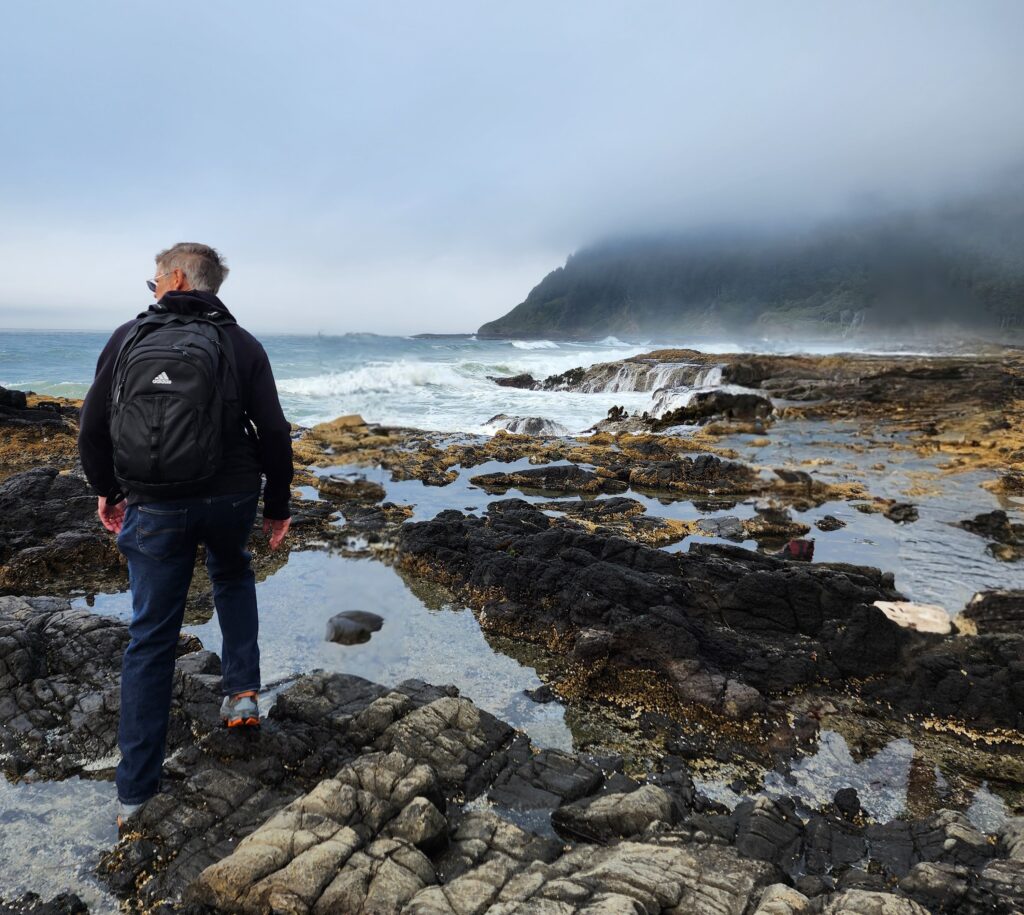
x,y
404,167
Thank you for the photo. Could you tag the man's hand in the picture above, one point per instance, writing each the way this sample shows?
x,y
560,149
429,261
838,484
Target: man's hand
x,y
111,516
277,530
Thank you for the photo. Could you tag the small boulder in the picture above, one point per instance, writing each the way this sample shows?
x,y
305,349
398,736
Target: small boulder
x,y
847,803
346,489
919,617
902,512
995,612
610,816
352,627
525,381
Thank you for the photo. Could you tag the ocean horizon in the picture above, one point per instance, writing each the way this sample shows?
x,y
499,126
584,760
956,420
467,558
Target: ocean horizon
x,y
435,382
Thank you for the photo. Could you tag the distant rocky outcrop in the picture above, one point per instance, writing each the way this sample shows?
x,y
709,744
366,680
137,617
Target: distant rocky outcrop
x,y
955,265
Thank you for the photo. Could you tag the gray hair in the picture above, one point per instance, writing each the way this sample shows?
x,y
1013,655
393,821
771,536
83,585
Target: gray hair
x,y
203,267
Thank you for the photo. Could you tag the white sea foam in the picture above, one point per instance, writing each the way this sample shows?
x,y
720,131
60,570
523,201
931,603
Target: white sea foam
x,y
535,344
373,378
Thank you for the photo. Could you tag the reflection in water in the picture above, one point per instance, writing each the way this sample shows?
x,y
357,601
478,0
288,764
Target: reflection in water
x,y
51,836
438,646
988,811
881,780
422,636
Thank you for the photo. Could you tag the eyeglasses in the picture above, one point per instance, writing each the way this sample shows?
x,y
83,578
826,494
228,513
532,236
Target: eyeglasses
x,y
152,283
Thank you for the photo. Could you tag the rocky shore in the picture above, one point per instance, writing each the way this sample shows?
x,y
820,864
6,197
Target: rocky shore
x,y
616,558
360,798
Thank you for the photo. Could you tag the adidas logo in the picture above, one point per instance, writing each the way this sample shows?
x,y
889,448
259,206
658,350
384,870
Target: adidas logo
x,y
162,379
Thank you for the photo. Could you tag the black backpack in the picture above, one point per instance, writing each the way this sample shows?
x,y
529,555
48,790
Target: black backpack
x,y
174,392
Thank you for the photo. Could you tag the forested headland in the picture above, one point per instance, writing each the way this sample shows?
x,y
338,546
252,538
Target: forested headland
x,y
959,266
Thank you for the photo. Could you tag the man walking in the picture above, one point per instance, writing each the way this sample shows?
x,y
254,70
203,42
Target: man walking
x,y
180,423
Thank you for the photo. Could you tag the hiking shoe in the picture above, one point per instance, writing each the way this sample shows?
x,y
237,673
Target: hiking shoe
x,y
241,710
126,812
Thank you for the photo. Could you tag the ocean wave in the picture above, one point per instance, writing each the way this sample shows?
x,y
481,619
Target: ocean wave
x,y
373,378
534,344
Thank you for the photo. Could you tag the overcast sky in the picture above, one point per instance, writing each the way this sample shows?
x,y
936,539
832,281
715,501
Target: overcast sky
x,y
400,167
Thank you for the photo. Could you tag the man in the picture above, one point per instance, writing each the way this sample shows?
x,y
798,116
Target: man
x,y
159,536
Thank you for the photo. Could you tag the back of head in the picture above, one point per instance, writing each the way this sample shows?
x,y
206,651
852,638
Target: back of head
x,y
203,267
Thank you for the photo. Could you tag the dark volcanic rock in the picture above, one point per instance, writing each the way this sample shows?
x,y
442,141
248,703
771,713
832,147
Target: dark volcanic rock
x,y
13,400
769,830
59,685
541,695
706,405
995,525
556,479
352,797
544,780
50,531
945,837
765,623
347,489
32,904
15,411
829,523
721,623
978,680
831,843
610,816
902,512
525,381
997,612
1007,537
353,627
999,889
847,802
703,474
225,785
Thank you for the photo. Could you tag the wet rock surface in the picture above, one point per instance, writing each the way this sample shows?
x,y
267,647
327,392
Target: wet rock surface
x,y
50,531
706,405
724,626
356,797
1006,537
558,479
60,687
996,611
36,431
353,627
17,410
32,904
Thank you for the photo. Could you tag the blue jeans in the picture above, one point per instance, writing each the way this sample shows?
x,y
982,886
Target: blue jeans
x,y
160,540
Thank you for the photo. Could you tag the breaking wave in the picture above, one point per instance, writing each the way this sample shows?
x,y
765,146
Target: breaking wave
x,y
535,344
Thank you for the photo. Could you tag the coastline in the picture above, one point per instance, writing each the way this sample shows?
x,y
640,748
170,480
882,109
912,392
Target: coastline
x,y
734,678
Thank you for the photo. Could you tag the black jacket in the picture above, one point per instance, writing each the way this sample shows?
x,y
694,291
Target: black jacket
x,y
244,460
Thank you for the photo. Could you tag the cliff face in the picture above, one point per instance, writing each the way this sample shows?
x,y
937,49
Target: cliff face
x,y
958,267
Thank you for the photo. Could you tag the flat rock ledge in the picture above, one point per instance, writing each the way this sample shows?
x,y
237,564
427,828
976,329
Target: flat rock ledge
x,y
358,798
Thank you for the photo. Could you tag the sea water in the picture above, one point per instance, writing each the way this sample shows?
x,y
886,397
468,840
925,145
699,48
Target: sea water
x,y
434,383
